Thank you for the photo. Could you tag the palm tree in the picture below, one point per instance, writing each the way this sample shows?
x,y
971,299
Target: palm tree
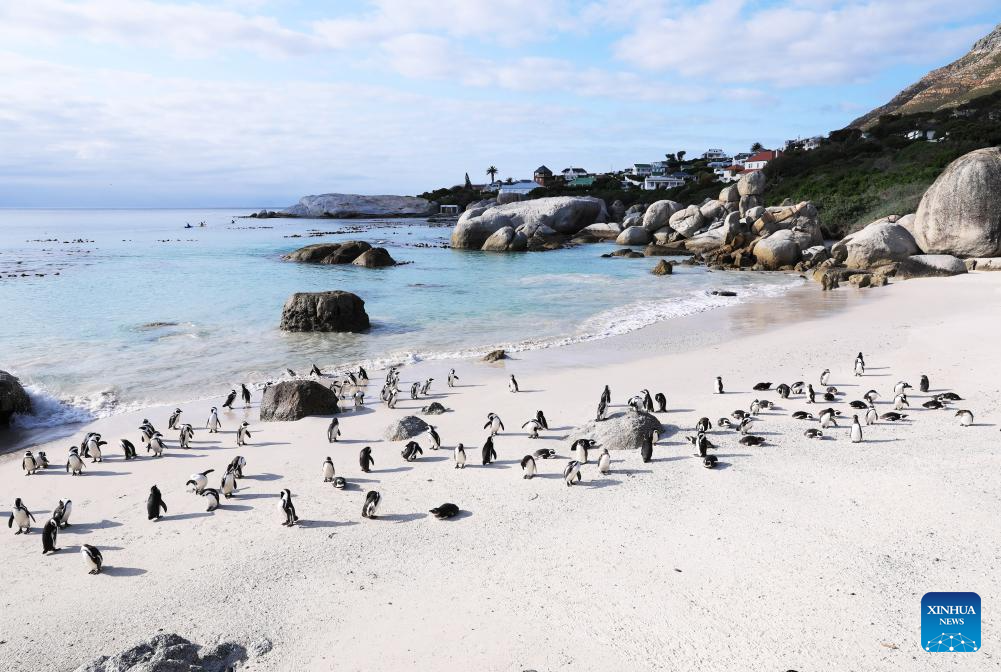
x,y
492,172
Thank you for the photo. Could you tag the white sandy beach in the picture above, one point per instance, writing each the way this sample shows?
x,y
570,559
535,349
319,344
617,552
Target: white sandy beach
x,y
801,554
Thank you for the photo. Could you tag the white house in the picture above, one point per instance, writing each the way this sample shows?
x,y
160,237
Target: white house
x,y
664,181
522,187
641,169
761,159
714,154
730,173
741,158
921,135
571,174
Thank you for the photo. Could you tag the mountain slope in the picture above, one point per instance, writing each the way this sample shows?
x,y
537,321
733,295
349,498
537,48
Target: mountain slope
x,y
975,74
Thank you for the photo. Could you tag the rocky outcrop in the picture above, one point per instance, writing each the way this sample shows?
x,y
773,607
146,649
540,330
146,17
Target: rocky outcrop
x,y
13,398
329,253
506,240
542,218
929,266
347,206
405,428
878,243
620,431
494,356
663,267
752,183
960,214
688,222
434,408
324,311
659,214
777,251
377,257
173,653
294,399
634,235
604,231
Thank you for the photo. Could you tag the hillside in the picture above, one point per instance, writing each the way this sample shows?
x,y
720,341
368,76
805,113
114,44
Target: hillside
x,y
976,74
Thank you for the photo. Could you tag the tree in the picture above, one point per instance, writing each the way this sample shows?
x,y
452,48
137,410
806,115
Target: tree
x,y
469,185
757,147
681,156
492,172
509,180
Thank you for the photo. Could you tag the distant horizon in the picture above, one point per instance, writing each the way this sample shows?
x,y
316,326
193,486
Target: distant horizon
x,y
165,104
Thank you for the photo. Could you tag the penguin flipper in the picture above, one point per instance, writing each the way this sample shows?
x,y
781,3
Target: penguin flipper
x,y
10,521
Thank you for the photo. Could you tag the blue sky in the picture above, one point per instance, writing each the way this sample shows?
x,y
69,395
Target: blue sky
x,y
115,103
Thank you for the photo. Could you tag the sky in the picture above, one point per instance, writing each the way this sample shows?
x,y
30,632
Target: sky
x,y
143,103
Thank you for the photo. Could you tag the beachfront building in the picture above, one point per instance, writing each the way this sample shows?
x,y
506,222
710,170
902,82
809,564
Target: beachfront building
x,y
522,187
761,159
571,174
715,155
671,181
640,169
741,158
729,173
543,176
448,209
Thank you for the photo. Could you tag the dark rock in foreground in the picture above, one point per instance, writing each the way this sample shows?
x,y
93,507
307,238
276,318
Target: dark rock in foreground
x,y
434,408
405,428
13,398
330,253
621,431
663,267
295,399
170,653
324,311
377,257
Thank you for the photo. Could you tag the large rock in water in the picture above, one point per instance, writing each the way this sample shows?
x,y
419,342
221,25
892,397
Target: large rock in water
x,y
295,399
929,266
405,428
170,653
346,206
330,253
960,214
634,235
564,215
620,431
324,311
878,243
377,257
13,398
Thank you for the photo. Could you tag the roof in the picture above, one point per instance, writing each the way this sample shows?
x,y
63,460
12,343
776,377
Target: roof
x,y
543,170
766,155
581,182
647,165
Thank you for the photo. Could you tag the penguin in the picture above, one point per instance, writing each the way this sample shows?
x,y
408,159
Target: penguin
x,y
236,465
29,464
755,407
426,387
783,390
213,424
635,402
604,462
242,434
965,418
923,385
606,395
245,393
212,495
571,473
858,405
544,454
359,399
352,378
580,448
828,419
459,454
528,466
812,396
797,387
739,414
745,425
752,440
415,390
901,387
949,396
933,404
533,428
761,387
147,431
154,504
74,465
22,516
856,430
199,480
813,433
719,385
871,416
43,461
703,425
452,377
724,423
494,423
900,402
128,448
362,374
871,396
83,444
340,482
435,438
365,459
860,358
49,534
893,416
709,461
92,558
802,415
602,410
541,418
372,499
391,402
702,443
825,376
62,513
445,511
290,372
487,453
411,451
288,508
765,405
512,383
647,401
156,444
661,402
859,368
830,397
646,447
229,400
174,417
228,484
333,430
328,470
94,445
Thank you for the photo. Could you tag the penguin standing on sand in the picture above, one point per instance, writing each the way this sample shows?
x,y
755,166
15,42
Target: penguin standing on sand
x,y
411,451
43,461
646,448
22,516
703,425
923,385
856,430
415,390
156,444
187,433
362,374
604,462
213,424
571,473
965,418
155,504
452,377
512,384
94,445
602,410
580,448
718,385
29,464
359,399
494,424
541,417
174,417
811,395
288,508
487,453
199,480
365,459
236,465
245,393
228,484
229,400
859,367
459,454
824,377
533,426
62,513
661,402
871,415
435,438
528,466
606,395
426,388
372,499
74,465
242,434
49,534
212,495
647,401
92,558
328,470
783,390
333,430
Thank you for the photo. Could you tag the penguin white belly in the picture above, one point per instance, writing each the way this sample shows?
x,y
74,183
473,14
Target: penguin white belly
x,y
21,518
603,464
328,471
88,561
856,433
